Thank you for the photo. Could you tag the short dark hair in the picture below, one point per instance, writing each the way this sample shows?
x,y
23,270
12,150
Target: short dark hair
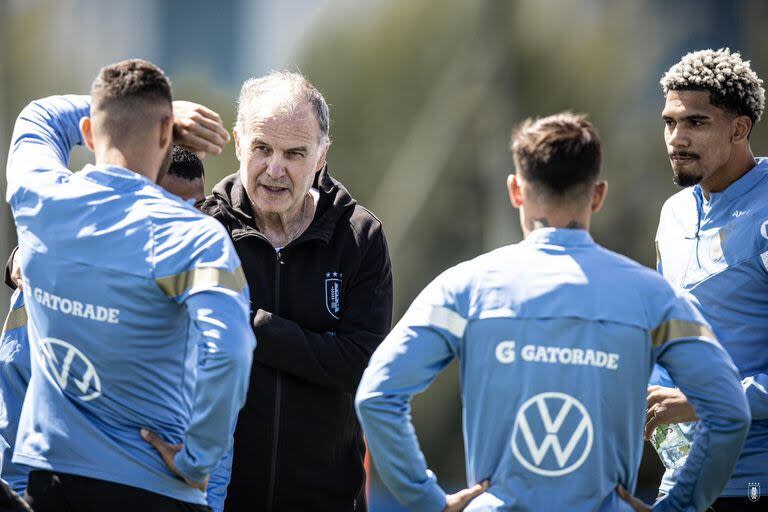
x,y
129,80
185,164
560,154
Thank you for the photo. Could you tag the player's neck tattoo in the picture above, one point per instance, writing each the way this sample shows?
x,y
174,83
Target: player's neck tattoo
x,y
543,222
574,224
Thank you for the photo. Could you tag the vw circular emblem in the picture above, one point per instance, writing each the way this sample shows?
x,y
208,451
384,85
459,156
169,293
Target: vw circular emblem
x,y
65,364
571,429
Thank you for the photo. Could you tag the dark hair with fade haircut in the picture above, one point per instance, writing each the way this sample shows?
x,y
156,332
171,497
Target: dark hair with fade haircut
x,y
185,164
133,79
560,155
730,81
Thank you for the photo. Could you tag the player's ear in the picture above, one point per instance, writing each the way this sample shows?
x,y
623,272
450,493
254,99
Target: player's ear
x,y
599,192
515,189
86,128
166,131
323,156
740,128
236,134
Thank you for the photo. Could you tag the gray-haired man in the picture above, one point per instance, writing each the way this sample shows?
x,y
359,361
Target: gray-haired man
x,y
319,270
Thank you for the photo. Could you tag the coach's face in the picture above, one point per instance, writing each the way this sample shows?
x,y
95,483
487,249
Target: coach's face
x,y
699,136
279,153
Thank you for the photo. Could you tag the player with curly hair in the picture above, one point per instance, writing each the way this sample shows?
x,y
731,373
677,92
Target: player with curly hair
x,y
712,242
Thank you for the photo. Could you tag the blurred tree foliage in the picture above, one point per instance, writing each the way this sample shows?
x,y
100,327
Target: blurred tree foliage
x,y
423,98
490,65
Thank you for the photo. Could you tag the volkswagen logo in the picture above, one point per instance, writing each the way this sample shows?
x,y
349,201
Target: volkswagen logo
x,y
68,368
568,437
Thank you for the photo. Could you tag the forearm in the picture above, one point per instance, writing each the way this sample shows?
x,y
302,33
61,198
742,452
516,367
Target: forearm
x,y
222,380
404,365
334,360
706,375
216,492
44,134
396,452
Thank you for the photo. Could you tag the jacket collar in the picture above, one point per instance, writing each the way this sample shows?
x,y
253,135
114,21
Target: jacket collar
x,y
560,236
114,176
237,213
739,187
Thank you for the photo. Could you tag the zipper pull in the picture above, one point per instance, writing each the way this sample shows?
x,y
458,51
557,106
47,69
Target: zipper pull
x,y
280,258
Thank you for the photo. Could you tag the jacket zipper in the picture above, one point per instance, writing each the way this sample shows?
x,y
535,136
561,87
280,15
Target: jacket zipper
x,y
278,396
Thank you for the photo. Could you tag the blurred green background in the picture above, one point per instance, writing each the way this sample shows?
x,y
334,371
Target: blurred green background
x,y
423,95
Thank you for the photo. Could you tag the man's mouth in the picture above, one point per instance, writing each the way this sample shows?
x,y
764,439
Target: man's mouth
x,y
273,189
681,158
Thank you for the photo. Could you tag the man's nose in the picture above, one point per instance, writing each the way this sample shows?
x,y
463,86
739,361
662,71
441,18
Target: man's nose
x,y
679,138
275,167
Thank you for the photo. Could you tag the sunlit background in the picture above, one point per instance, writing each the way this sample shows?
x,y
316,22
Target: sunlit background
x,y
423,97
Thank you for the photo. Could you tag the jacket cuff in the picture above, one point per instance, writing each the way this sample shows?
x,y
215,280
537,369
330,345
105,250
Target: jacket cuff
x,y
433,500
186,466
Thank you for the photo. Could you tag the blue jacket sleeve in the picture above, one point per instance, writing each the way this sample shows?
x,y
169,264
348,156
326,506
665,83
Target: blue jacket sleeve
x,y
687,349
221,318
43,136
217,485
420,346
200,269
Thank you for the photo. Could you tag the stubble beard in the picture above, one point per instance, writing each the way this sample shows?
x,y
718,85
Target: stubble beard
x,y
686,178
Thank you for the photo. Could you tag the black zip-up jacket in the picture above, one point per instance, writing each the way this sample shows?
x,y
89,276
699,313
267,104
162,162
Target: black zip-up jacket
x,y
321,306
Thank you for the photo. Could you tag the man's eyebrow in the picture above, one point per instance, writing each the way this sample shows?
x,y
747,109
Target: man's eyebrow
x,y
692,117
300,149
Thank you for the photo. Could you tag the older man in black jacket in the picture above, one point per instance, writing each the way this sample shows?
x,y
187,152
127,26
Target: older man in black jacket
x,y
319,273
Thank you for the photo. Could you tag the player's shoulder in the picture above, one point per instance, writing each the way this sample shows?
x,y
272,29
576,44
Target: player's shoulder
x,y
167,209
470,273
683,202
183,236
645,285
631,271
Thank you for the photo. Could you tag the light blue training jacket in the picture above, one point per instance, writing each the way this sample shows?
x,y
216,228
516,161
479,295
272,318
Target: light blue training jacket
x,y
14,378
122,282
716,251
556,339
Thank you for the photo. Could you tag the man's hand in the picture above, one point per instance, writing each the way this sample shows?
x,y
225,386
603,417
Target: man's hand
x,y
16,271
168,451
665,406
198,128
635,503
459,501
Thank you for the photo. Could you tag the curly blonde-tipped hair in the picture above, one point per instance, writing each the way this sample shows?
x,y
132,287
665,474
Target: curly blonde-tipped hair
x,y
731,82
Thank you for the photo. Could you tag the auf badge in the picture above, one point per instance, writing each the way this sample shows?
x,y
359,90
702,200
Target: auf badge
x,y
333,293
753,491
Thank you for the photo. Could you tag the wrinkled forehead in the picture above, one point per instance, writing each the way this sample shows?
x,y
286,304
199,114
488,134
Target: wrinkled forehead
x,y
287,118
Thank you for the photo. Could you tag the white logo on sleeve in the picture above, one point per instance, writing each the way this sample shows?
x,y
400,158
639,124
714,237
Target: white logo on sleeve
x,y
333,293
764,229
754,491
505,352
65,364
570,429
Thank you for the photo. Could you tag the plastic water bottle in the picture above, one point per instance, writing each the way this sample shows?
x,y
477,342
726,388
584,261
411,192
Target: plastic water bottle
x,y
671,445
